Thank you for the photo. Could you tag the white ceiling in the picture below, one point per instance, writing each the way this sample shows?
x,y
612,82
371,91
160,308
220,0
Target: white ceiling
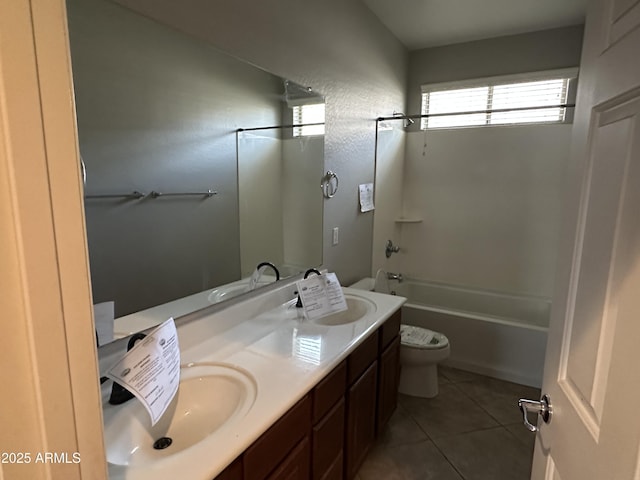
x,y
428,23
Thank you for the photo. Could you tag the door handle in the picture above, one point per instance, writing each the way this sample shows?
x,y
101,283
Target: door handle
x,y
542,408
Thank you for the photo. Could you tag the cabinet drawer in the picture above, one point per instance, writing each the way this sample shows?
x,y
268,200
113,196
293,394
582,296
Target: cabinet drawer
x,y
329,391
362,357
327,441
390,329
335,471
274,445
296,465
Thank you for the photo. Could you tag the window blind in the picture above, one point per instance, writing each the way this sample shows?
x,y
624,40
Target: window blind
x,y
308,114
499,103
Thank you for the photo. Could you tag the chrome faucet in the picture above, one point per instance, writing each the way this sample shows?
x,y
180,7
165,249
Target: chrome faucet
x,y
306,274
395,276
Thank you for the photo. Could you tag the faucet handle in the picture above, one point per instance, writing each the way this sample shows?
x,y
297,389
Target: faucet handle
x,y
391,248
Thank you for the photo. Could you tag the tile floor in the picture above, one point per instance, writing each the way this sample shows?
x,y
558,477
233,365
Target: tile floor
x,y
471,431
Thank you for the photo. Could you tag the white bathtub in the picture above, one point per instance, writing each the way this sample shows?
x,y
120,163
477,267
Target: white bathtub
x,y
495,334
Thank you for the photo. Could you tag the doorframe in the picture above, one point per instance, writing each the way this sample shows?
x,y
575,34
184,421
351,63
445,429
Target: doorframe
x,y
50,360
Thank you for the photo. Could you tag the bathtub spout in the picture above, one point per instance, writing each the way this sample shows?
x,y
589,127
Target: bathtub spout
x,y
395,276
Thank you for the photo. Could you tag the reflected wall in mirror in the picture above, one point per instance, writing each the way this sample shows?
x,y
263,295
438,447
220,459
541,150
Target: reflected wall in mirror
x,y
160,111
280,199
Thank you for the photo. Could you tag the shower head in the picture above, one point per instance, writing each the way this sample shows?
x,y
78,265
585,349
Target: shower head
x,y
406,120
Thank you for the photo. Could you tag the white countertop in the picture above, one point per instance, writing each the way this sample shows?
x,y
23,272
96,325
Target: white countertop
x,y
286,355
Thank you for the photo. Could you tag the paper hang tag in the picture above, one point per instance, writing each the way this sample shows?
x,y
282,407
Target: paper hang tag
x,y
366,197
321,295
151,369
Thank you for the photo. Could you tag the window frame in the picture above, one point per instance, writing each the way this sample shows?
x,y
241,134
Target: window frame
x,y
566,73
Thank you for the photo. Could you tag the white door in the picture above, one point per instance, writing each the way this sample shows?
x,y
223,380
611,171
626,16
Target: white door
x,y
592,370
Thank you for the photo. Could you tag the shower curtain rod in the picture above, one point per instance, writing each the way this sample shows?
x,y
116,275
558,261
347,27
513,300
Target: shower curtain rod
x,y
471,112
279,126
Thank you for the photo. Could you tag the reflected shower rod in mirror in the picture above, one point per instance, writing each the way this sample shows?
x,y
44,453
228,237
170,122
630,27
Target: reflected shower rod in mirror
x,y
136,195
471,112
295,125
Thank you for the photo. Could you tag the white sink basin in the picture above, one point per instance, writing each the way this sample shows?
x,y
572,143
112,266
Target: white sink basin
x,y
226,292
210,398
357,307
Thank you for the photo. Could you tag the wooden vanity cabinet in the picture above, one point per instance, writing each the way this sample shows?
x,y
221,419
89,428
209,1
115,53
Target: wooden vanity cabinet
x,y
327,437
295,465
388,370
283,444
327,434
361,420
328,444
232,472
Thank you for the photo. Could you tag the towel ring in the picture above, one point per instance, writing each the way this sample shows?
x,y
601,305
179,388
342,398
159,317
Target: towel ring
x,y
329,184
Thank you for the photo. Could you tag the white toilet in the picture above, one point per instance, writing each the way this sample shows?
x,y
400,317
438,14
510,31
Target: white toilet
x,y
420,352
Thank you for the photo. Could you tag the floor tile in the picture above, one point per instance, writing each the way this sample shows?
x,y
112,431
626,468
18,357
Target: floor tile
x,y
401,429
499,398
471,431
520,432
448,413
416,461
455,375
487,455
442,379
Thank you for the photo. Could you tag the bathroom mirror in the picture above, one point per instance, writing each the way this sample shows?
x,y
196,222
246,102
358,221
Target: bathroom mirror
x,y
175,171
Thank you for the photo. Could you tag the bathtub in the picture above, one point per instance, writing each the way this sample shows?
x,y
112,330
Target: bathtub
x,y
491,333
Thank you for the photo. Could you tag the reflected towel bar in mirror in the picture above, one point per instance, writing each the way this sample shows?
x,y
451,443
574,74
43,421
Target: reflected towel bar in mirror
x,y
135,195
208,193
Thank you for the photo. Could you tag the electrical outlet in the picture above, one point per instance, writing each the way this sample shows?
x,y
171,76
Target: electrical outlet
x,y
335,236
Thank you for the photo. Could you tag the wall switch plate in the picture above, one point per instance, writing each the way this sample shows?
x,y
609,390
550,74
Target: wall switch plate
x,y
335,236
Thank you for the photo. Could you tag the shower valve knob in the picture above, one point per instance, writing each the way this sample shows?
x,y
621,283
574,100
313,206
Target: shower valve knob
x,y
391,248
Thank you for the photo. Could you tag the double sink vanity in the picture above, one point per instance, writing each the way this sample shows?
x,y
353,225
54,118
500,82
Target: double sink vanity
x,y
267,394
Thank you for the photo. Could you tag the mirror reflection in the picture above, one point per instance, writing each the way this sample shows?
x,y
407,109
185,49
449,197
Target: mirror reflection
x,y
167,116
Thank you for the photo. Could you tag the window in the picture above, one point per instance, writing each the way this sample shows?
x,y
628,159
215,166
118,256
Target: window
x,y
305,115
498,101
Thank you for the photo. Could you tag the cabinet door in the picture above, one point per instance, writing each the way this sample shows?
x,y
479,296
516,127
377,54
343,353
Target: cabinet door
x,y
232,472
327,443
275,444
361,420
296,465
388,378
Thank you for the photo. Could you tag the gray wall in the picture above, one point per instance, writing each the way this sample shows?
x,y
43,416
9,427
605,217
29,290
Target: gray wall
x,y
339,48
529,52
489,197
157,110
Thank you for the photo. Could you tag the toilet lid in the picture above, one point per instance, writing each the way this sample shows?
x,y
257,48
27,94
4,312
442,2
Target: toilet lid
x,y
419,337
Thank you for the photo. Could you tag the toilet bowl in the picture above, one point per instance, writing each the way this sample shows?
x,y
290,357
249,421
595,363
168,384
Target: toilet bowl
x,y
420,352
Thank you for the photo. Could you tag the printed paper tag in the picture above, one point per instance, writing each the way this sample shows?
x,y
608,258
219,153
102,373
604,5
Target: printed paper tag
x,y
321,295
151,369
366,197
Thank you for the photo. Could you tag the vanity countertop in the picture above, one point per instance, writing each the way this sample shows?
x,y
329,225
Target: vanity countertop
x,y
285,354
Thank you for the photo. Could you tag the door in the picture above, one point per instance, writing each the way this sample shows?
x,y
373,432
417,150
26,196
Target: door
x,y
592,370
